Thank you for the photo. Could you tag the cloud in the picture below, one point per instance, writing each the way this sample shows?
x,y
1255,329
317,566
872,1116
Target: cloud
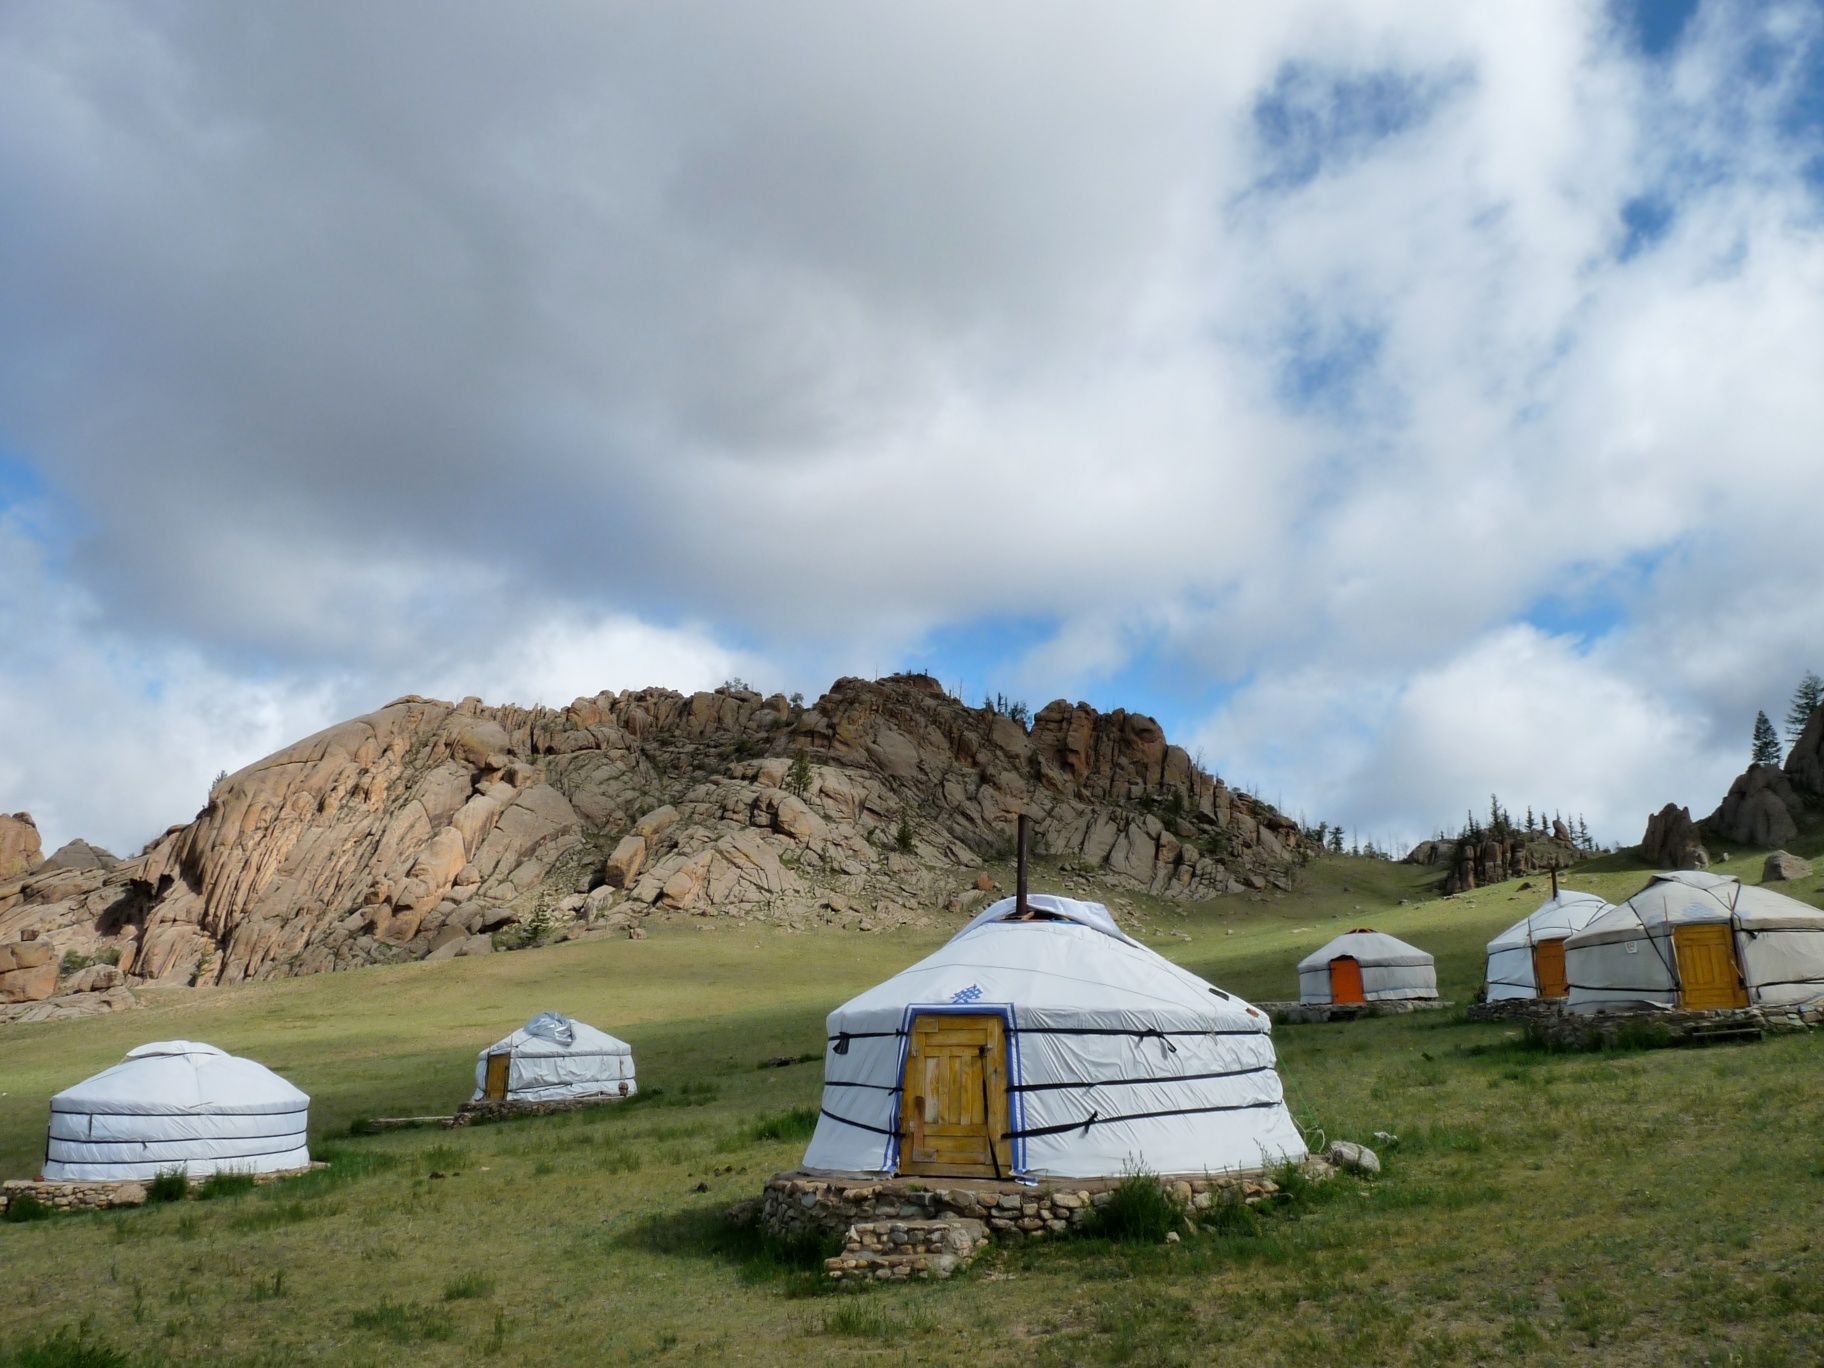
x,y
1304,348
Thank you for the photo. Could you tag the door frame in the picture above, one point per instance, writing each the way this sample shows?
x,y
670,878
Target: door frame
x,y
1330,975
1735,961
1563,959
506,1075
1010,1069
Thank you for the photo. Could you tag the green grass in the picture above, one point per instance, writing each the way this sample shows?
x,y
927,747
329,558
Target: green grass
x,y
1627,1206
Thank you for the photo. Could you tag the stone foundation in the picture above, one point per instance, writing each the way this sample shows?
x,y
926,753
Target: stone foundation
x,y
798,1206
1549,1024
498,1109
885,1251
1305,1013
98,1196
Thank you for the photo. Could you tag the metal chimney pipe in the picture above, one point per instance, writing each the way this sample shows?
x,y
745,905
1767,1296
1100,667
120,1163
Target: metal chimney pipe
x,y
1554,881
1019,895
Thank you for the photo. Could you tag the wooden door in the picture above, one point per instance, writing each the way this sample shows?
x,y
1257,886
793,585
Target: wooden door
x,y
1707,972
1548,969
496,1084
1346,980
953,1110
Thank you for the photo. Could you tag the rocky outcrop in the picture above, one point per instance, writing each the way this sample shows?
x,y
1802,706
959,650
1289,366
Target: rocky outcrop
x,y
1672,840
19,847
28,971
1476,863
427,828
1760,809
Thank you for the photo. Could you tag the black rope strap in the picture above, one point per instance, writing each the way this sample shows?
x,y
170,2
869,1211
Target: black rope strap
x,y
842,1038
177,1139
859,1125
1096,1118
877,1087
1139,1033
1128,1082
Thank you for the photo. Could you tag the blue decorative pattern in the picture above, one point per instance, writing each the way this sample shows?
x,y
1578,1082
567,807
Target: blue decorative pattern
x,y
970,994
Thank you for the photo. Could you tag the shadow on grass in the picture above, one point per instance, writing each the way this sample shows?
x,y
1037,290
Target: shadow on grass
x,y
753,1254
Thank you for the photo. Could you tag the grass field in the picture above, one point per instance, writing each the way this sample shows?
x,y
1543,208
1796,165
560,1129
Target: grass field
x,y
1650,1207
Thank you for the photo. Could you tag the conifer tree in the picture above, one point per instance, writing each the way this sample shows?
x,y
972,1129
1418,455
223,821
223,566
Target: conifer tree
x,y
1336,840
1766,742
1806,700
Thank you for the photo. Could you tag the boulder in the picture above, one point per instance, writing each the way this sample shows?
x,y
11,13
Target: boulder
x,y
1346,1154
1782,865
28,971
19,847
94,978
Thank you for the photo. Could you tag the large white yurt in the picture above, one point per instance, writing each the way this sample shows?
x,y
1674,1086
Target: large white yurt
x,y
1526,961
1695,940
553,1058
177,1104
1365,965
1049,1044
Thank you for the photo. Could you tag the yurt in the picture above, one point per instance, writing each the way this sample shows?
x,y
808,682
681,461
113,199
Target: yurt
x,y
1695,940
1364,965
1526,961
553,1058
1042,1041
177,1104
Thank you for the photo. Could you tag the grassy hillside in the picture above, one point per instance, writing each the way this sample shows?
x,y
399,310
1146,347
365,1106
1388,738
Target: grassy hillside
x,y
1636,1207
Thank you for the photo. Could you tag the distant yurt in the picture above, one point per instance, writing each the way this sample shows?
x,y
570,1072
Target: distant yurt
x,y
1695,940
553,1058
1526,961
177,1104
1045,1042
1365,965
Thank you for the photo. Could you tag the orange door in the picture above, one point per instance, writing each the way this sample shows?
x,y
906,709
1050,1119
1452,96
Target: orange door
x,y
495,1085
1548,969
953,1109
1707,972
1346,980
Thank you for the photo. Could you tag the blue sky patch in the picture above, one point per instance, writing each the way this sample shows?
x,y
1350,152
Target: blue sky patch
x,y
1315,119
1644,220
1656,26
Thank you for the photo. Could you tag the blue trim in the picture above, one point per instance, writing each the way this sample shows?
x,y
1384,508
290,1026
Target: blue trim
x,y
1010,1044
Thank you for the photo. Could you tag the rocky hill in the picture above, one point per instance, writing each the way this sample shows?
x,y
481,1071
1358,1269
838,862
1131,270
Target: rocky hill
x,y
1490,857
1765,808
429,829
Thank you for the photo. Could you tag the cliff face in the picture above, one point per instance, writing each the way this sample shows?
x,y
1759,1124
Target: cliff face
x,y
420,828
1765,807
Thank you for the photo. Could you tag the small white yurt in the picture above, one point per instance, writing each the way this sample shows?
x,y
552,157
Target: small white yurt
x,y
1527,960
1365,965
553,1058
1048,1044
1696,941
177,1104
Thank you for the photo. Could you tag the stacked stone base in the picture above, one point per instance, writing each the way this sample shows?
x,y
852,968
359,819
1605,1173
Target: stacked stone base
x,y
99,1196
888,1251
497,1109
799,1206
1306,1013
1549,1024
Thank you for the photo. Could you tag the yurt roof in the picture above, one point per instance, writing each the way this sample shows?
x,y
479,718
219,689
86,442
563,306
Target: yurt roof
x,y
553,1033
1073,964
1367,947
1570,910
1683,897
175,1077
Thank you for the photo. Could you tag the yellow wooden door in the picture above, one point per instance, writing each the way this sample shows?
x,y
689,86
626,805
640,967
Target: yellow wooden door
x,y
1548,969
953,1110
496,1083
1707,972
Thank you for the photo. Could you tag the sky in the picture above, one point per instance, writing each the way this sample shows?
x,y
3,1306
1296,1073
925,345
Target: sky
x,y
1403,401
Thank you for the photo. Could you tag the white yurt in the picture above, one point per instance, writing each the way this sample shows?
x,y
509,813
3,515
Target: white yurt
x,y
1695,940
553,1058
1048,1044
1527,960
1365,965
177,1104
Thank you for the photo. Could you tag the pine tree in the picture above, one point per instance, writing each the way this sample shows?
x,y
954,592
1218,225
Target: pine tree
x,y
1806,699
798,777
1766,742
1531,824
1336,840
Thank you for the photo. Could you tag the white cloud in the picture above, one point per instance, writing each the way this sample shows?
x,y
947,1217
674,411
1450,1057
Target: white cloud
x,y
375,353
